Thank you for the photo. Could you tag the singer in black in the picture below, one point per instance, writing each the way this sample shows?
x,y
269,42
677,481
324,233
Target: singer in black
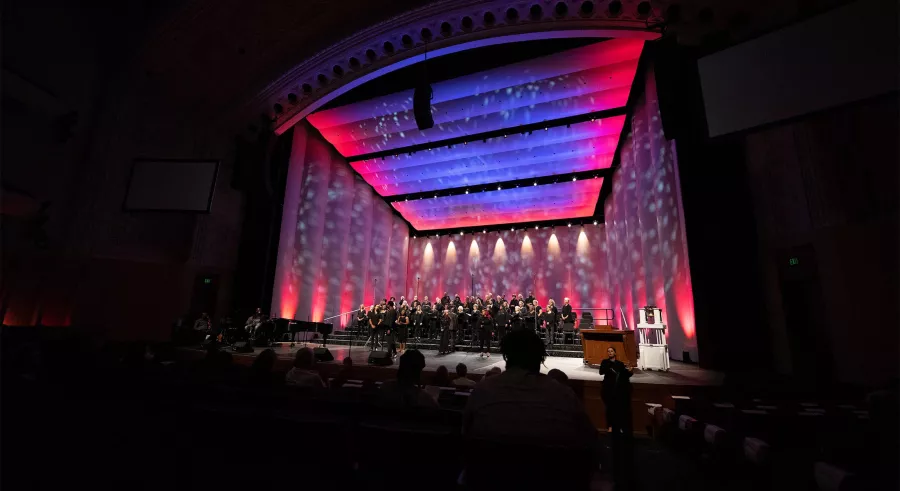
x,y
362,321
551,318
402,328
501,321
486,327
516,321
567,320
417,319
445,322
374,326
390,316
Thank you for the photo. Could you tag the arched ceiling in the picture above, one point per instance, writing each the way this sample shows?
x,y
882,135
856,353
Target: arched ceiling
x,y
502,139
231,60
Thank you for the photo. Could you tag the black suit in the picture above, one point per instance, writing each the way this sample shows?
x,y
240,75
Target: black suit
x,y
500,322
390,315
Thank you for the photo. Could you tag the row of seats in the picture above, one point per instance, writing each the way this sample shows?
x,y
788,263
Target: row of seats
x,y
777,444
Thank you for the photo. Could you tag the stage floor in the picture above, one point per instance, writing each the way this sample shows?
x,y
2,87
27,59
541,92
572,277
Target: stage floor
x,y
679,374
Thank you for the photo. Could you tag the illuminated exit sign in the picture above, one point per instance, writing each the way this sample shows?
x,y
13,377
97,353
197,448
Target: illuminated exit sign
x,y
207,281
794,261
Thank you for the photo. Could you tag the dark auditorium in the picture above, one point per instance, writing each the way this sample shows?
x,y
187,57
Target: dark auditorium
x,y
595,245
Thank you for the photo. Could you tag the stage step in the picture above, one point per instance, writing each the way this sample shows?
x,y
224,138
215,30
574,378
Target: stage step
x,y
430,344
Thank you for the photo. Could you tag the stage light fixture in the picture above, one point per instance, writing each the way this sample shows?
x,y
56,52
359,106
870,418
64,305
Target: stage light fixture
x,y
546,128
499,188
595,222
460,233
570,224
574,179
535,183
535,227
484,231
505,136
467,191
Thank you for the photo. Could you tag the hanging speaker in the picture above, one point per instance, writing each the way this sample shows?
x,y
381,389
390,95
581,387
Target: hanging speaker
x,y
422,107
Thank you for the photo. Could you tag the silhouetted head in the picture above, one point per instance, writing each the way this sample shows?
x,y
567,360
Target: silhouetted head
x,y
523,349
304,359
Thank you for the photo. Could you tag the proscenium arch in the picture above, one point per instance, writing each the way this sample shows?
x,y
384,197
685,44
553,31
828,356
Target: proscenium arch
x,y
402,42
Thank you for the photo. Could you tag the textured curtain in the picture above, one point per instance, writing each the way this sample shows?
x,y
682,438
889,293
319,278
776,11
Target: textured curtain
x,y
340,244
648,257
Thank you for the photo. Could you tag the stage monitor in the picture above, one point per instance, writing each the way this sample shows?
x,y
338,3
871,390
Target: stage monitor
x,y
845,55
171,185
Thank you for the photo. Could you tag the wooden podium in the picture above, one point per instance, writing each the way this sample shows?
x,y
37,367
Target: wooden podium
x,y
596,341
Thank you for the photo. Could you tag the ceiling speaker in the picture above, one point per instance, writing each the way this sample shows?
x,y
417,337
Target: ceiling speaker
x,y
422,107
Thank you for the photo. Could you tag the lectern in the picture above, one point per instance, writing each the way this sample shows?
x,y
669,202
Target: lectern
x,y
597,339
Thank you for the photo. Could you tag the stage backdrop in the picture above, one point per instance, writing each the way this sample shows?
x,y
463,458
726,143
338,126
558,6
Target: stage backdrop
x,y
341,245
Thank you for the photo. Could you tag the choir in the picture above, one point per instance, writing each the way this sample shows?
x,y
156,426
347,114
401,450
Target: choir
x,y
391,322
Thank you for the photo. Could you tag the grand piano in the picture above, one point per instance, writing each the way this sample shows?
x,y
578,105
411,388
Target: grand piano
x,y
292,327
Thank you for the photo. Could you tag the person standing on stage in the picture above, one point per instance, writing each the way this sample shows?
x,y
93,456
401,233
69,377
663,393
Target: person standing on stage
x,y
567,317
434,329
445,322
417,320
484,333
374,322
454,326
445,300
362,320
390,316
530,316
426,319
516,321
551,317
530,298
520,301
501,321
402,328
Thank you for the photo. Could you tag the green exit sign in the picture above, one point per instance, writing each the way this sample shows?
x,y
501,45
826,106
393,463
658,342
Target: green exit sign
x,y
794,261
207,281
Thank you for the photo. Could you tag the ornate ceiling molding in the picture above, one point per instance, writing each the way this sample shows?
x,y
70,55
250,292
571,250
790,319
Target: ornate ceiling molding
x,y
442,28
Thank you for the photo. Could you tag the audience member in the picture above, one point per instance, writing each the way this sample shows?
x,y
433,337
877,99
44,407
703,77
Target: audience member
x,y
521,404
559,376
493,371
461,379
261,372
441,377
406,390
303,374
344,374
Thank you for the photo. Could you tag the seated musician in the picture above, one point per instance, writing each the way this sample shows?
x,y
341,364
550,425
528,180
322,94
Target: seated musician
x,y
253,322
202,324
